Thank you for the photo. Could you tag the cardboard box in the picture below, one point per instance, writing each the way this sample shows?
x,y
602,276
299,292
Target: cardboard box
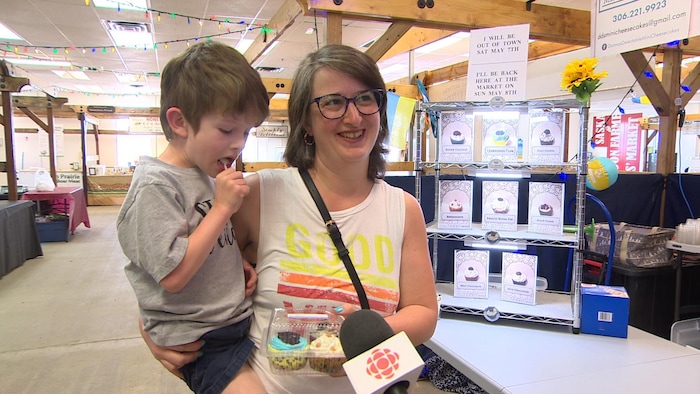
x,y
604,310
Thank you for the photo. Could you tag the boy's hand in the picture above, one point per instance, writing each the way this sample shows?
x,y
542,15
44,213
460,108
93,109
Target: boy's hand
x,y
231,188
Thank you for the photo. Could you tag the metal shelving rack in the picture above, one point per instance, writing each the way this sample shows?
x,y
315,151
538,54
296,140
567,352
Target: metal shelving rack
x,y
552,307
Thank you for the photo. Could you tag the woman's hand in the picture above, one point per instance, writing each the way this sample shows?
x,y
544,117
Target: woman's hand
x,y
251,278
175,357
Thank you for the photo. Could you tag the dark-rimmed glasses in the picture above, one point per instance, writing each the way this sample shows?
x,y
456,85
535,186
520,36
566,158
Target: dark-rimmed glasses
x,y
334,106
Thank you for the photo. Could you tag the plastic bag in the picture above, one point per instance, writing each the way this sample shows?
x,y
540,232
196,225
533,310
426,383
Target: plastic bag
x,y
635,245
44,183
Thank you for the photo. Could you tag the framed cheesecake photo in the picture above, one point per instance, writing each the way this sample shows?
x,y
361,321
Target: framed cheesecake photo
x,y
457,138
499,210
546,208
546,137
499,136
519,278
471,274
455,207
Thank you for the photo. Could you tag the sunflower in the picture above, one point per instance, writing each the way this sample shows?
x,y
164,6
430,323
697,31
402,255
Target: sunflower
x,y
579,77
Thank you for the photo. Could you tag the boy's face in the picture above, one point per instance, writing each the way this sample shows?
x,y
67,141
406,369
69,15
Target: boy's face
x,y
218,142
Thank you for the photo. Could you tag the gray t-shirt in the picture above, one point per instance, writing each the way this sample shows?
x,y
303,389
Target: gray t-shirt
x,y
162,208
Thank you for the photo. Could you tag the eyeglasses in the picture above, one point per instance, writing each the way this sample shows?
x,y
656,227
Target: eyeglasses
x,y
334,106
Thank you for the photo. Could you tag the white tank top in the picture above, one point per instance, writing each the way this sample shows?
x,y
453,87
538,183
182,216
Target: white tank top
x,y
299,269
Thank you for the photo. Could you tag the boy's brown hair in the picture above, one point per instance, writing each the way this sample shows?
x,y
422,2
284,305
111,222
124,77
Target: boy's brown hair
x,y
211,77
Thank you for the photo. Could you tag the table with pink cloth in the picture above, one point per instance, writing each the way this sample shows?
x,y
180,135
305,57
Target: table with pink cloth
x,y
72,198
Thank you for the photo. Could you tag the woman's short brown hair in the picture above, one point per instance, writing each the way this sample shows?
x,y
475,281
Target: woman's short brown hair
x,y
357,65
211,77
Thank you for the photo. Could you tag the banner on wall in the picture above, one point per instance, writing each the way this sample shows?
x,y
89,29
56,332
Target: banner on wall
x,y
399,112
619,137
626,25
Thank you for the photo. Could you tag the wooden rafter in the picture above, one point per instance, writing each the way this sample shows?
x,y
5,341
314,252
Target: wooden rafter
x,y
388,39
279,22
416,37
536,50
556,24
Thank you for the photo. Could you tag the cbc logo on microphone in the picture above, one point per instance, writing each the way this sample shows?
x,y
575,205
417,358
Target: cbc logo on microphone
x,y
382,363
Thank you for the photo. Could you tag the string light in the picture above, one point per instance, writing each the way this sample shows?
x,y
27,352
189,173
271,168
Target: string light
x,y
622,111
159,17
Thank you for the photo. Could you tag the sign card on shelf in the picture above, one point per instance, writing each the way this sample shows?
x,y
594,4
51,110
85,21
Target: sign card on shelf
x,y
499,136
499,209
471,273
546,208
547,137
455,207
457,138
519,278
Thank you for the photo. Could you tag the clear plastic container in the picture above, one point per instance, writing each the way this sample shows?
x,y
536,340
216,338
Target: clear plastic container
x,y
304,343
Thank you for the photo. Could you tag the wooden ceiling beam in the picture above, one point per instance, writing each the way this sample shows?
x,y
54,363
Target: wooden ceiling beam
x,y
38,101
416,37
278,85
638,64
556,24
692,81
279,22
536,50
334,29
388,39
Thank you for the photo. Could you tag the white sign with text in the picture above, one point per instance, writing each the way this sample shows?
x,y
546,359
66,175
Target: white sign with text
x,y
626,25
498,63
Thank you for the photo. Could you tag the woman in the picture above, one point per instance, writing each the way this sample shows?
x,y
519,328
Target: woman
x,y
337,114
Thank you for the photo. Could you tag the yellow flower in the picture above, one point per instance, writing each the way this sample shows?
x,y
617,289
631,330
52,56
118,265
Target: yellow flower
x,y
579,77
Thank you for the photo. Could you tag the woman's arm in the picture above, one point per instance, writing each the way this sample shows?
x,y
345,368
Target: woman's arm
x,y
417,310
175,357
246,222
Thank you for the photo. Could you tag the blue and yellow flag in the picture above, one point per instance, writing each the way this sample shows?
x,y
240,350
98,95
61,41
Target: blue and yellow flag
x,y
399,112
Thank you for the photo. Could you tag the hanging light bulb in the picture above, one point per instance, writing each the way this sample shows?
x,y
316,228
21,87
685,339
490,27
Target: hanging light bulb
x,y
87,2
159,17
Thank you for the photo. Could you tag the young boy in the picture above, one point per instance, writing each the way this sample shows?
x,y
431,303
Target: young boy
x,y
174,225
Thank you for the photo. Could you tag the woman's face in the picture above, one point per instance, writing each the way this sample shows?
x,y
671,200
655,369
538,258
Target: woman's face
x,y
351,137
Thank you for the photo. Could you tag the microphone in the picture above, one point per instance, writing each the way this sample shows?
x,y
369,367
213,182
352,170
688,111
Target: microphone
x,y
378,360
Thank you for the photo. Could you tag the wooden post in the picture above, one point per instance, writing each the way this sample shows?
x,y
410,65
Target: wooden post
x,y
9,84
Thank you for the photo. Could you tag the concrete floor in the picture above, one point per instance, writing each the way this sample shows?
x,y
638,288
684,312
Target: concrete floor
x,y
68,321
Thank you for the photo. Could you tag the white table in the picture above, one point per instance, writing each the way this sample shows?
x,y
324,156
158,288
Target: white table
x,y
517,357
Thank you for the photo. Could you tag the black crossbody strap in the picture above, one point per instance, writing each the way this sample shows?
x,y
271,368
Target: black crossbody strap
x,y
334,232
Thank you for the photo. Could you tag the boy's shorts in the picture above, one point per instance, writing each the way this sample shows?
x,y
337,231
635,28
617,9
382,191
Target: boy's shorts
x,y
225,351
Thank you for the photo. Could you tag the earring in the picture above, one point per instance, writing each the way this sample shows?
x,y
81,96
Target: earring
x,y
308,139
